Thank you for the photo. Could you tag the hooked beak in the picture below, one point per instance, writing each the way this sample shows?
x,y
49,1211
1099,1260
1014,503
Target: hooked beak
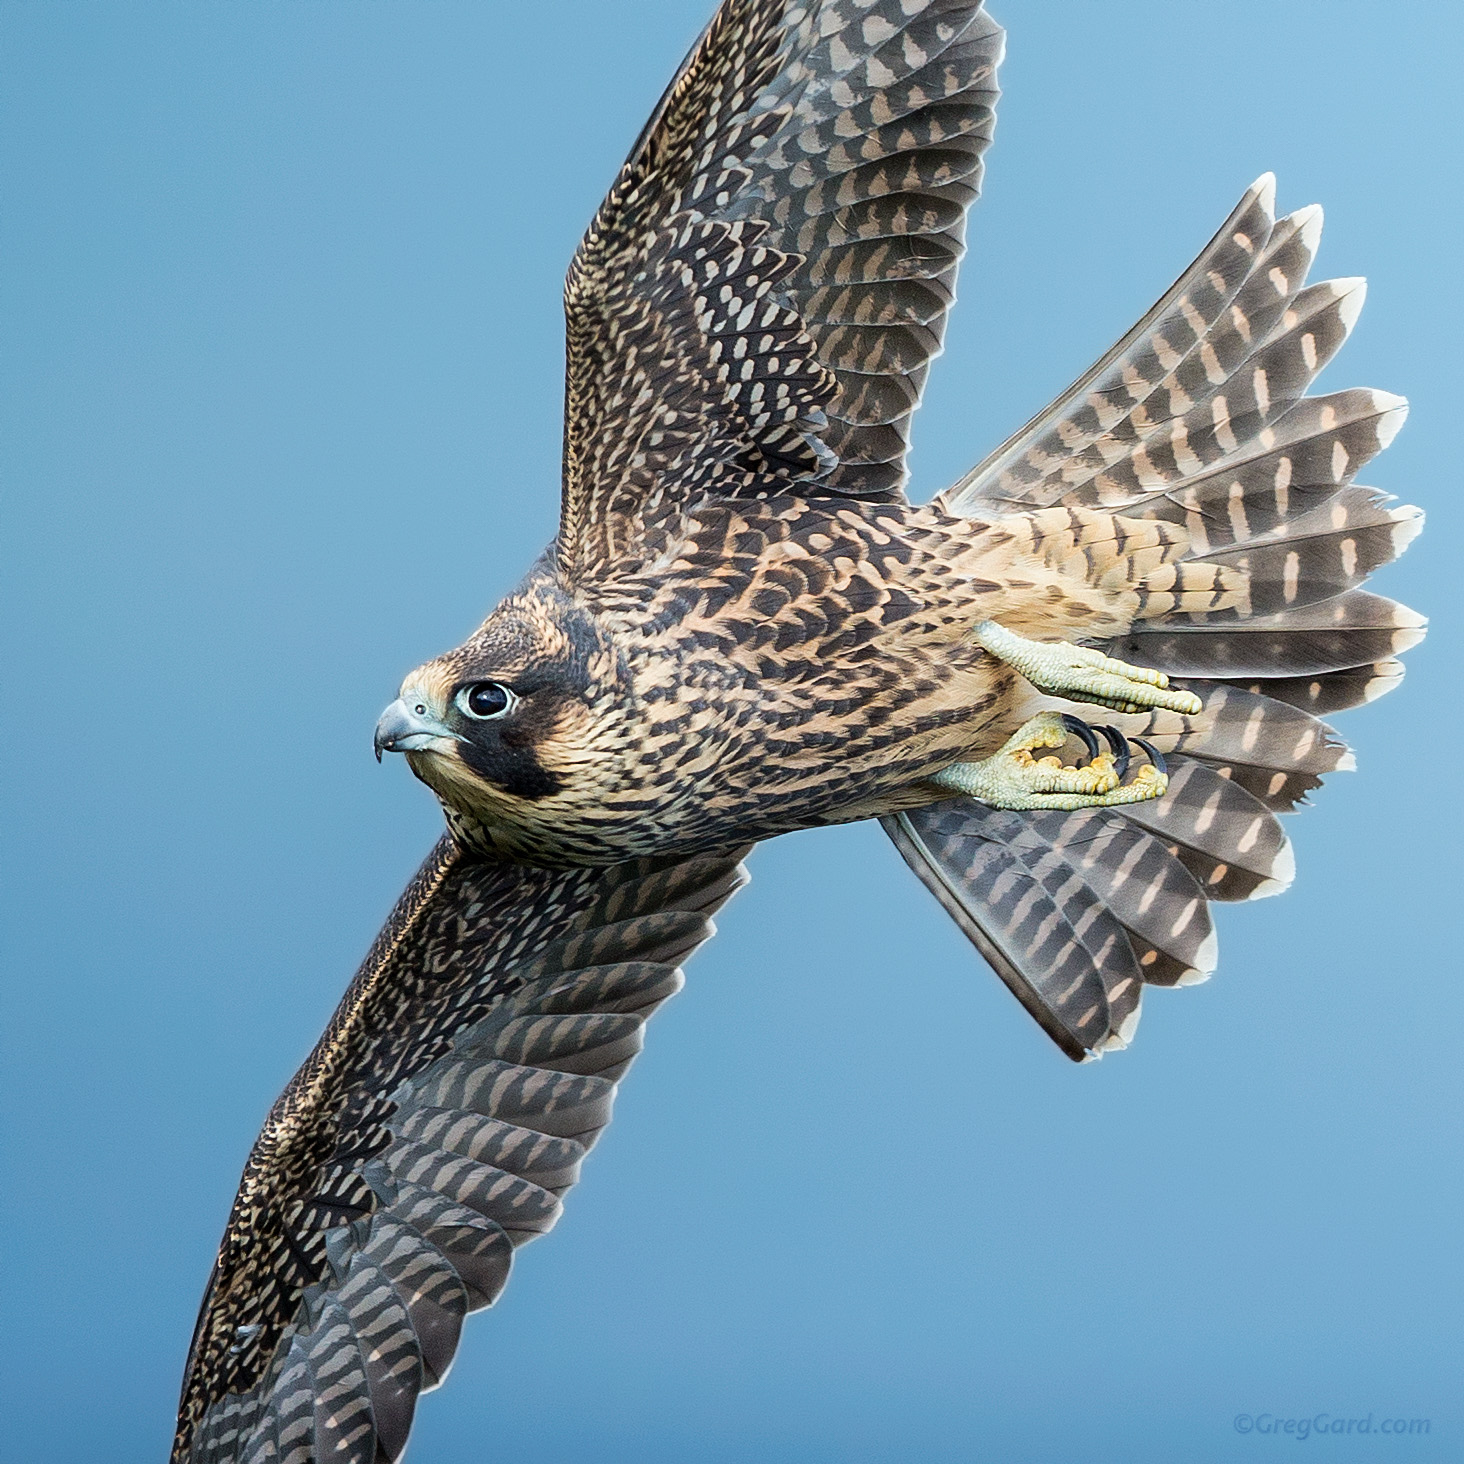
x,y
407,726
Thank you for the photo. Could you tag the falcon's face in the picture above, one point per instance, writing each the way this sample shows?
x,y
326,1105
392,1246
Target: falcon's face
x,y
509,720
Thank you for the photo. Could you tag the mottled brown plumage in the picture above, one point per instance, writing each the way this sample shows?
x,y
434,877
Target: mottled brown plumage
x,y
743,628
760,666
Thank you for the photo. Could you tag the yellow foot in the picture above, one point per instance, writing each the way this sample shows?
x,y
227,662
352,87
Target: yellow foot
x,y
1081,674
1013,778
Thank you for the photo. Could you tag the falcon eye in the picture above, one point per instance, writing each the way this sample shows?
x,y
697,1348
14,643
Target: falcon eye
x,y
485,700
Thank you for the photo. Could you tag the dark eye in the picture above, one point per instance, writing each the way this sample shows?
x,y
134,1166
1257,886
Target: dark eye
x,y
486,699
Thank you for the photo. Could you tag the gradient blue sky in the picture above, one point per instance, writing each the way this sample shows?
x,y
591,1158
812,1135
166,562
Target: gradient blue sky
x,y
282,289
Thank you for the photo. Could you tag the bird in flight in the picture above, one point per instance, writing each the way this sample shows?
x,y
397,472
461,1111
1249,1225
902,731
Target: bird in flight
x,y
1077,688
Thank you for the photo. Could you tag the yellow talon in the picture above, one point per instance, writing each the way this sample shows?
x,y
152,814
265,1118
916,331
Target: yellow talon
x,y
1012,778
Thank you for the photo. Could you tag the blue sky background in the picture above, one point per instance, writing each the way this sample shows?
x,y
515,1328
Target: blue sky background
x,y
282,292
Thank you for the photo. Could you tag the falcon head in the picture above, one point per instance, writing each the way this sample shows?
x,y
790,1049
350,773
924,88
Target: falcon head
x,y
509,721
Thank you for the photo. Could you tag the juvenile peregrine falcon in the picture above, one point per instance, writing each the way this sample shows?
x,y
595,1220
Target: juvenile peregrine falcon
x,y
743,628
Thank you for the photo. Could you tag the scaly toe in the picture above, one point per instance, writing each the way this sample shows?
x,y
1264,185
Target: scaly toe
x,y
1013,778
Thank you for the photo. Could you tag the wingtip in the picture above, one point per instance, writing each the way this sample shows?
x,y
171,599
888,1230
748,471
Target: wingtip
x,y
1263,190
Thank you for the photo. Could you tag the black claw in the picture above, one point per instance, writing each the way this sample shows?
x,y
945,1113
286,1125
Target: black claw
x,y
1083,732
1121,754
1154,755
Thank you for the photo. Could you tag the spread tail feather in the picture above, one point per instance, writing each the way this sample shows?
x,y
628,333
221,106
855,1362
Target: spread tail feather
x,y
1189,475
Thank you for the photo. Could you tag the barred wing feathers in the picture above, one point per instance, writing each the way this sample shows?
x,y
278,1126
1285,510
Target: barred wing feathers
x,y
469,1068
755,304
1199,417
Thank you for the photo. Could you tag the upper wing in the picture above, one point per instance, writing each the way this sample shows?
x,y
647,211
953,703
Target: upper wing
x,y
757,300
469,1067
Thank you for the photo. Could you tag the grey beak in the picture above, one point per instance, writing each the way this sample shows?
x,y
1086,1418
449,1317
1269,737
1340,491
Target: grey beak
x,y
406,727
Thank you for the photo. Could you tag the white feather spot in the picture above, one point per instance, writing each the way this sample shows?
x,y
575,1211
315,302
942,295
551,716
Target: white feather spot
x,y
1181,923
1406,529
1352,293
1386,675
1309,226
1168,357
1394,411
1252,732
1283,488
915,56
1186,459
1207,813
1283,871
1208,954
1220,415
1129,1026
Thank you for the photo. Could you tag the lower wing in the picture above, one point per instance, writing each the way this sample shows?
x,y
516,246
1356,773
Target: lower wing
x,y
466,1072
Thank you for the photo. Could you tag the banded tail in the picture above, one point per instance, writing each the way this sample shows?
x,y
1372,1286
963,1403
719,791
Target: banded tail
x,y
1189,473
